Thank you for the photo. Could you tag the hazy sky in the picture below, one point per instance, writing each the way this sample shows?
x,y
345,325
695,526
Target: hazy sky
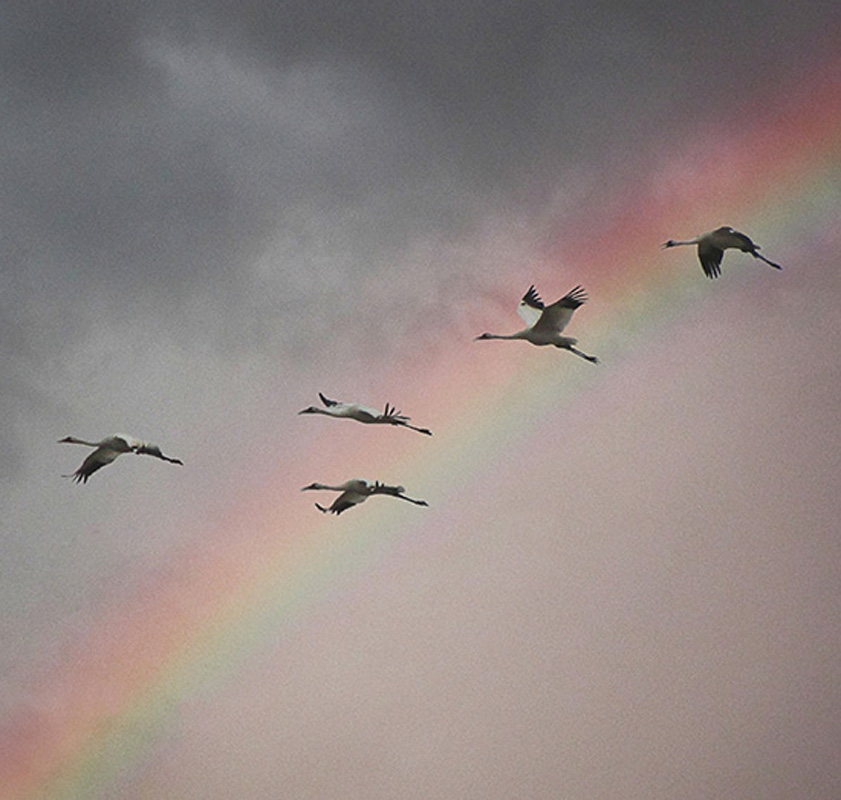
x,y
627,582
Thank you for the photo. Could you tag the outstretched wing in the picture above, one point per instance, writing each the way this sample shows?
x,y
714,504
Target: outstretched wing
x,y
343,503
99,458
745,243
710,257
531,307
327,401
339,504
557,316
348,499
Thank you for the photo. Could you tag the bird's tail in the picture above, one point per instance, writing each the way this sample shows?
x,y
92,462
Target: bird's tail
x,y
395,417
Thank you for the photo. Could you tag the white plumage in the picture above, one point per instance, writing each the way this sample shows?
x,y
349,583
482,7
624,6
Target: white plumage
x,y
546,323
356,491
366,414
108,449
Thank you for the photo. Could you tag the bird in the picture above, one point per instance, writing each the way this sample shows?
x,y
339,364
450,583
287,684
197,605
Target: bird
x,y
108,449
390,416
356,491
711,247
547,322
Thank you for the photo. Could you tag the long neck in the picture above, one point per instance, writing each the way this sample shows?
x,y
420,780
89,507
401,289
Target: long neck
x,y
518,335
74,440
323,486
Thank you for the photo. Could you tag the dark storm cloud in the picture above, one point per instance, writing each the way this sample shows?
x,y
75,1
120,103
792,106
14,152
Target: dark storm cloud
x,y
52,51
152,171
205,167
108,165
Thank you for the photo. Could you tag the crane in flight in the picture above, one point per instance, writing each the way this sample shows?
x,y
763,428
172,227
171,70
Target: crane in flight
x,y
366,414
711,247
546,323
108,449
356,491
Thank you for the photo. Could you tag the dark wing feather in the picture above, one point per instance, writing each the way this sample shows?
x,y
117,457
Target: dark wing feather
x,y
557,316
746,244
327,401
530,307
532,298
393,415
710,257
574,298
340,505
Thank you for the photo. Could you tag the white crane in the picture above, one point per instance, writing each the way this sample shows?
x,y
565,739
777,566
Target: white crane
x,y
366,414
546,323
356,491
711,247
107,451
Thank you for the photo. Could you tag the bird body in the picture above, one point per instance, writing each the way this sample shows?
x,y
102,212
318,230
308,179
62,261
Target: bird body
x,y
546,323
108,449
365,414
711,247
356,491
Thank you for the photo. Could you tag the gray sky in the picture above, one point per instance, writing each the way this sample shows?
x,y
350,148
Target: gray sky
x,y
211,211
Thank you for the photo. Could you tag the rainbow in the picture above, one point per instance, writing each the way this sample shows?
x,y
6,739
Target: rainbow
x,y
104,708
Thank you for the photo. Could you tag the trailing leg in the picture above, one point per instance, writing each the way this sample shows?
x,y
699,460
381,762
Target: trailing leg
x,y
591,359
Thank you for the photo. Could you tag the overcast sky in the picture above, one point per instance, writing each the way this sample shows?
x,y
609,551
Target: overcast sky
x,y
210,211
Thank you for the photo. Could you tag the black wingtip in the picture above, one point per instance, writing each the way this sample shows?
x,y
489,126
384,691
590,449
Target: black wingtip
x,y
711,269
532,298
574,298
